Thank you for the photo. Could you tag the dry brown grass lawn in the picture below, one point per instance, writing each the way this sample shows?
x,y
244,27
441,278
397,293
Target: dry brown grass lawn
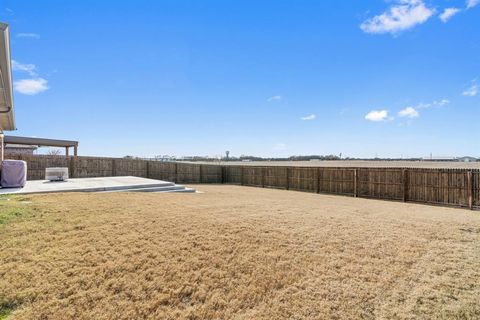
x,y
236,253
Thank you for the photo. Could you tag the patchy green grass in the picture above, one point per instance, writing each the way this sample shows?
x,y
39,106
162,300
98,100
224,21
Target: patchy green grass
x,y
5,311
13,208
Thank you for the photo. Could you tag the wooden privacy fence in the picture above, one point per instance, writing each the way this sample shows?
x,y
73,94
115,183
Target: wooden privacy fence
x,y
452,187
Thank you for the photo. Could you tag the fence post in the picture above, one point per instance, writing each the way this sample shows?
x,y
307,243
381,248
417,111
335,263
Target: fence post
x,y
241,176
222,174
288,178
114,168
263,177
469,192
318,180
148,169
72,167
201,173
176,173
355,183
405,185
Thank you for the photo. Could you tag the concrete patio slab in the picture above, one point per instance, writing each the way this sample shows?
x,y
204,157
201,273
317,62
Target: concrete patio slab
x,y
95,185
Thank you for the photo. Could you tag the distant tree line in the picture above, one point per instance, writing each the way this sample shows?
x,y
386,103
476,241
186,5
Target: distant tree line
x,y
228,157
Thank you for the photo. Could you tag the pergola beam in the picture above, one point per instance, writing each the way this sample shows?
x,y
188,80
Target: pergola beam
x,y
41,142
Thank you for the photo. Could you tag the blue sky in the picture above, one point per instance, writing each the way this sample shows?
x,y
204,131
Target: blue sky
x,y
268,78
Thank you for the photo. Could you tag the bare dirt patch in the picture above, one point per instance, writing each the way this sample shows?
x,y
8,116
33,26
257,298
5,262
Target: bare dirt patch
x,y
237,253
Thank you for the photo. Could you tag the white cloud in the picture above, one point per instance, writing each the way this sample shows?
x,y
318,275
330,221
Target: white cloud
x,y
31,86
405,15
28,35
280,147
448,13
472,3
377,115
274,98
29,68
310,117
472,91
409,112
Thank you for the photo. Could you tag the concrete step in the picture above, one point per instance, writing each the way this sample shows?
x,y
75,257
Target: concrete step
x,y
185,190
140,187
170,188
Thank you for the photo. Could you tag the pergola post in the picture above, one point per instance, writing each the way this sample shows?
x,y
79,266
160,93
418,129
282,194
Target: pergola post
x,y
75,150
66,151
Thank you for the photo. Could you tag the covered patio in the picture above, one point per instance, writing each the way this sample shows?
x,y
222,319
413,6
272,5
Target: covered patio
x,y
42,142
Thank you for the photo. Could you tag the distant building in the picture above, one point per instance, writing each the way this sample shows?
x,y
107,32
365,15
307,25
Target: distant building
x,y
19,149
452,159
467,159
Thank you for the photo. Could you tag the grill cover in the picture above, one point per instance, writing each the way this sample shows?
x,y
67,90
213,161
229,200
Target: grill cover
x,y
14,174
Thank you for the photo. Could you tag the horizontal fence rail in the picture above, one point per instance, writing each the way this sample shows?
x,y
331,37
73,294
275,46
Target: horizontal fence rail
x,y
451,187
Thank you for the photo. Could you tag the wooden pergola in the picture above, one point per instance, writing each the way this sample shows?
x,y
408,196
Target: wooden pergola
x,y
42,142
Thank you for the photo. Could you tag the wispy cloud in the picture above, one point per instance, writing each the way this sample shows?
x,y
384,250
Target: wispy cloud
x,y
404,15
31,86
377,115
471,91
423,105
441,103
28,35
309,117
448,13
409,112
26,67
472,3
274,98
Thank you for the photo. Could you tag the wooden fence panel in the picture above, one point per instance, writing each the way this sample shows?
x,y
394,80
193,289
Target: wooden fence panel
x,y
275,177
380,183
211,174
131,167
162,170
336,181
252,176
188,173
439,186
303,179
90,167
233,174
